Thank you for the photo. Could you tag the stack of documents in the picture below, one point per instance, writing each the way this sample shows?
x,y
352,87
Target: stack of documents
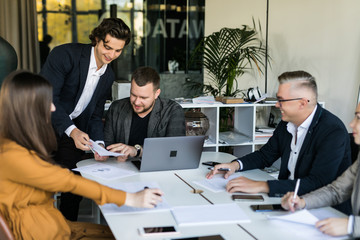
x,y
263,133
204,99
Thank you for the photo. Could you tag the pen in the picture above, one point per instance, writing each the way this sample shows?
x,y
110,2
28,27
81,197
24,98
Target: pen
x,y
296,190
146,187
91,148
220,169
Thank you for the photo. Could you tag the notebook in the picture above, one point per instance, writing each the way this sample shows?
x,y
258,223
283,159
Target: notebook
x,y
171,153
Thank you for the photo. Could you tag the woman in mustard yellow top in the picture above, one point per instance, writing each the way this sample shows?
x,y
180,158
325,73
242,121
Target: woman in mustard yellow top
x,y
28,177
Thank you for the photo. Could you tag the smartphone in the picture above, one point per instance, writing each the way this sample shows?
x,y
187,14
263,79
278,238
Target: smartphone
x,y
155,231
212,237
267,208
245,198
210,163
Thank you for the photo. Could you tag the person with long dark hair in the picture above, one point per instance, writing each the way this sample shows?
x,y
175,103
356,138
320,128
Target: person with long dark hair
x,y
28,176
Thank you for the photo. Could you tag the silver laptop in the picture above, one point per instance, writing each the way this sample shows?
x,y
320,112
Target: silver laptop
x,y
171,153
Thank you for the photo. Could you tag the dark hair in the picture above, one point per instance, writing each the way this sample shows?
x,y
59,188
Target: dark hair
x,y
145,75
113,26
25,116
303,79
47,38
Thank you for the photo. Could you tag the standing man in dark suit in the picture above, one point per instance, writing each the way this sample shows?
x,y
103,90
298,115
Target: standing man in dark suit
x,y
81,80
313,144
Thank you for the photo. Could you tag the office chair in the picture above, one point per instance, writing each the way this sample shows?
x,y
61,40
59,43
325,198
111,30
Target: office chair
x,y
8,59
5,232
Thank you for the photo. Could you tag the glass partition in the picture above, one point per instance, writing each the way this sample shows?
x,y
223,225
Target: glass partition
x,y
164,31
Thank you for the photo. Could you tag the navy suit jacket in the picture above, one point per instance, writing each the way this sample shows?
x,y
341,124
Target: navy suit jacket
x,y
66,69
324,155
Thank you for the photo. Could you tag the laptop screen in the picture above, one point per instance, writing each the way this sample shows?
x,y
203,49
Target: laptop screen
x,y
171,153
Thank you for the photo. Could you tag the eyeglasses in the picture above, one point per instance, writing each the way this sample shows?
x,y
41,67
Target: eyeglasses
x,y
291,99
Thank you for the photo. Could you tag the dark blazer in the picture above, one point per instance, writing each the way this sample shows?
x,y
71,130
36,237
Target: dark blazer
x,y
324,155
167,119
66,69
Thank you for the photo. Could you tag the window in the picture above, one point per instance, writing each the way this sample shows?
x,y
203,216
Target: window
x,y
162,30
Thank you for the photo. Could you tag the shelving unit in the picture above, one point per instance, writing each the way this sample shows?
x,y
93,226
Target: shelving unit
x,y
243,136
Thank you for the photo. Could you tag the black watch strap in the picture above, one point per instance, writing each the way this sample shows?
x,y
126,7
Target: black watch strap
x,y
138,150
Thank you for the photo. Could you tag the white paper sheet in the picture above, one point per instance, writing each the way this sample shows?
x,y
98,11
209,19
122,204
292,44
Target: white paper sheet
x,y
102,151
104,171
303,231
110,209
302,216
209,214
217,183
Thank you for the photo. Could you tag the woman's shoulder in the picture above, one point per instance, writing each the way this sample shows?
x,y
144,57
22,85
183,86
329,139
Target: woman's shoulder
x,y
10,148
13,155
7,144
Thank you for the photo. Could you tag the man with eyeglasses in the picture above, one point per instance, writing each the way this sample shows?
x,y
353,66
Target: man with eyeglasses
x,y
313,144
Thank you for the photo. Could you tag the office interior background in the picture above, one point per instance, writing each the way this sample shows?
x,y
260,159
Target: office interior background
x,y
321,37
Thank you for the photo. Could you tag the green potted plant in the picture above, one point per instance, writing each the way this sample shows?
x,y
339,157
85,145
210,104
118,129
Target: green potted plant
x,y
226,55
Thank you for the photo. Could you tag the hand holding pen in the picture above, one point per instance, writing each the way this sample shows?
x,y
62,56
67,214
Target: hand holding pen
x,y
220,169
225,168
147,198
291,201
296,191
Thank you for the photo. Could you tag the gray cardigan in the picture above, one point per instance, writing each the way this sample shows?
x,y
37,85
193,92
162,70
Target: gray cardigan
x,y
345,186
167,119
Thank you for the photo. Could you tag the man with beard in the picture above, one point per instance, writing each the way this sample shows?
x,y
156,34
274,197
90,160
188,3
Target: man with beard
x,y
130,120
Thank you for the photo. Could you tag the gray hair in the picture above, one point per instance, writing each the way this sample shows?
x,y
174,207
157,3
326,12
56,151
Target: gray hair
x,y
302,80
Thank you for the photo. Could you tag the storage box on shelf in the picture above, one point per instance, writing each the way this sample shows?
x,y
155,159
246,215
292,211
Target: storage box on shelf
x,y
212,113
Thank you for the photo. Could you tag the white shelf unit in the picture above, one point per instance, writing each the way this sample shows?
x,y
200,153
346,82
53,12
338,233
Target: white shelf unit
x,y
246,117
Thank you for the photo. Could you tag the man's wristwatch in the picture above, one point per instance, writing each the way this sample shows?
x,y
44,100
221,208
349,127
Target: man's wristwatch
x,y
138,149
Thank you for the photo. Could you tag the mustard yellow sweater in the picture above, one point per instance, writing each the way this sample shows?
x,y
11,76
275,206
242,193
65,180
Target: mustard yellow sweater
x,y
27,185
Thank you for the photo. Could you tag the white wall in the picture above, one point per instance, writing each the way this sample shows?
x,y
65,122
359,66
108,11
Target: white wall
x,y
318,36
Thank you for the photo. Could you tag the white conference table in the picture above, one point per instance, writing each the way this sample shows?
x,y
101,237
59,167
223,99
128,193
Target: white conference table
x,y
175,185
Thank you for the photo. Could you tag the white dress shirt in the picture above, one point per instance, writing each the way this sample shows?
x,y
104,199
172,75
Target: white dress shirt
x,y
297,140
88,91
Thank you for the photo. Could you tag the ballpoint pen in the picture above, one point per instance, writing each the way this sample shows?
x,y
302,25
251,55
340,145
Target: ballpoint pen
x,y
146,187
296,191
220,169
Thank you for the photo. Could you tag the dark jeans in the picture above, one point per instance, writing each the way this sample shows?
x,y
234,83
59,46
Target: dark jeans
x,y
67,155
